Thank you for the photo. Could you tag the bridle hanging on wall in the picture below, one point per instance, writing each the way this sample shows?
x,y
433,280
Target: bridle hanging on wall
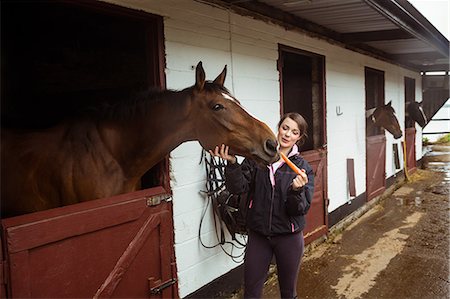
x,y
227,210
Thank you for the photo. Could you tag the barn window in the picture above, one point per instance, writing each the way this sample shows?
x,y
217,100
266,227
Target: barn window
x,y
410,96
374,81
302,90
60,56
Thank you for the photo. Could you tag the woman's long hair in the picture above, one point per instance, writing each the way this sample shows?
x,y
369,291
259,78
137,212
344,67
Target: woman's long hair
x,y
302,125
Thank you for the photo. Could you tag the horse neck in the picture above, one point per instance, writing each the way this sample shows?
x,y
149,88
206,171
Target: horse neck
x,y
140,143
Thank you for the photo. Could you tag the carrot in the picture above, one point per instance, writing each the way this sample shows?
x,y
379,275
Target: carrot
x,y
290,164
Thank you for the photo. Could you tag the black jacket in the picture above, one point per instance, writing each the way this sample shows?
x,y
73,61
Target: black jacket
x,y
272,210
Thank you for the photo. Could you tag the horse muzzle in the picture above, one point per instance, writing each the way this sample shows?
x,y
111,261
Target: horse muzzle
x,y
271,149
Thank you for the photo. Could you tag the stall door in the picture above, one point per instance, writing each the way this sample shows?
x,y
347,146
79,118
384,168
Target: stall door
x,y
316,219
3,268
120,247
375,166
410,138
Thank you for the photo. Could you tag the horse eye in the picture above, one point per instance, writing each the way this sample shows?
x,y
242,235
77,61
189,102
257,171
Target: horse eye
x,y
217,107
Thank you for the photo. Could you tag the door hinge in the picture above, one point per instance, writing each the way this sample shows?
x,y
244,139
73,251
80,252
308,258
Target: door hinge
x,y
156,287
157,199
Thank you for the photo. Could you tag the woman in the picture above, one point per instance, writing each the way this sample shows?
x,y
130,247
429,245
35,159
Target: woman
x,y
279,200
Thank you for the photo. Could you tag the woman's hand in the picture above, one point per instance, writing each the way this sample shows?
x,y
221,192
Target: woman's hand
x,y
223,153
300,180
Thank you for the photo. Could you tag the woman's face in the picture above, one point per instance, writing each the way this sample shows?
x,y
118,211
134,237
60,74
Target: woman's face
x,y
288,133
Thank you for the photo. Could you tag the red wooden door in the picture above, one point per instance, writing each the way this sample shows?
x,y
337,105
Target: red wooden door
x,y
410,138
115,247
3,267
375,166
317,218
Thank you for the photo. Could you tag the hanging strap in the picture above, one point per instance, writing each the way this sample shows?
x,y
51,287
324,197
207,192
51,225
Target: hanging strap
x,y
215,186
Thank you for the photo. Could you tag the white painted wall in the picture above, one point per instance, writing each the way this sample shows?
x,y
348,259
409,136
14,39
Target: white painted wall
x,y
195,31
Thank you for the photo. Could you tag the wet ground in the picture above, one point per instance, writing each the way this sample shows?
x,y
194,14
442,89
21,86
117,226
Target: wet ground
x,y
399,249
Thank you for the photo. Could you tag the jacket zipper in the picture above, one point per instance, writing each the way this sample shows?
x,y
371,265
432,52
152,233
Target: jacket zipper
x,y
271,209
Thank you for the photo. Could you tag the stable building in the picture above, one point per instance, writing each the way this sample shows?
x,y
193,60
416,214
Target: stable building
x,y
329,60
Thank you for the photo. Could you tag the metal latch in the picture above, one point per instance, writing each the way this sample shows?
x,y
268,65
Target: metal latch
x,y
157,199
158,288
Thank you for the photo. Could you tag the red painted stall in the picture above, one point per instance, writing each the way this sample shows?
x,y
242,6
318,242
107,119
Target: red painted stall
x,y
114,247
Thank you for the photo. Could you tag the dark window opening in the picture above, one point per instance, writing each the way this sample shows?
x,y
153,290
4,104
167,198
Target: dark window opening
x,y
374,81
60,56
410,96
302,91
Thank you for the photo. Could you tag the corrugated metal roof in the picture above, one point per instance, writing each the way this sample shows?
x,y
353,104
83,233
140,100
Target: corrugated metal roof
x,y
340,16
391,29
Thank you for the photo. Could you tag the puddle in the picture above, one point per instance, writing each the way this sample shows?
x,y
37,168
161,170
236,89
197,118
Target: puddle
x,y
437,158
439,166
416,201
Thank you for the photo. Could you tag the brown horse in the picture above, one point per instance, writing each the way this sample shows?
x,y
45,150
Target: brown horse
x,y
384,116
105,154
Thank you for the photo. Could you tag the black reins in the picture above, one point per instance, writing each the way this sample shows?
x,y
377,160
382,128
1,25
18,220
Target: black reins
x,y
215,188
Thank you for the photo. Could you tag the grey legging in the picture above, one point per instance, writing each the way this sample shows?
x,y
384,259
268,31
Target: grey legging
x,y
288,250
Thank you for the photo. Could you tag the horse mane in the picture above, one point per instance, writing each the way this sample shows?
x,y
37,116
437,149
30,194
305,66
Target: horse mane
x,y
126,105
392,109
213,87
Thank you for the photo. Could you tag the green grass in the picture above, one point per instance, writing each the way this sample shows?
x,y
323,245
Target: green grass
x,y
441,140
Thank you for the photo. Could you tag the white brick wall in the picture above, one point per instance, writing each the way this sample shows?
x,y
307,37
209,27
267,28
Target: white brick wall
x,y
195,31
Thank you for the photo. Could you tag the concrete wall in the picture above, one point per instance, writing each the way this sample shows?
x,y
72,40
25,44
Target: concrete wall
x,y
196,31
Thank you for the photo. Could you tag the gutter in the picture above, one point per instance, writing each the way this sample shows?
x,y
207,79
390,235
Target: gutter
x,y
404,15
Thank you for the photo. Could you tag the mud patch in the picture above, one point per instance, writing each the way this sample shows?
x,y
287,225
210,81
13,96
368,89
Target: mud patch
x,y
403,191
441,189
359,277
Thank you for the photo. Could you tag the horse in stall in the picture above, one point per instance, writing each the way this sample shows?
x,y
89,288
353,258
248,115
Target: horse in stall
x,y
106,153
415,111
384,117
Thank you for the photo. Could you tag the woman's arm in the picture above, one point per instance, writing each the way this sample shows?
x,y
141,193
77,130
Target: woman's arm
x,y
237,177
300,193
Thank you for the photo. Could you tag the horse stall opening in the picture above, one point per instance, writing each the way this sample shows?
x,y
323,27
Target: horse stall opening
x,y
375,138
63,57
302,80
410,125
60,58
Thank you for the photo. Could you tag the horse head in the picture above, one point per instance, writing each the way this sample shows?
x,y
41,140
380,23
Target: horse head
x,y
219,118
414,110
384,116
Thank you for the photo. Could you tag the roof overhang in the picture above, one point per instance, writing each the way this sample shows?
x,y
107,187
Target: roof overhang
x,y
391,30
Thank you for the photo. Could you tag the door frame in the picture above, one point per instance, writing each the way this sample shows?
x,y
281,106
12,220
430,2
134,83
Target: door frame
x,y
318,155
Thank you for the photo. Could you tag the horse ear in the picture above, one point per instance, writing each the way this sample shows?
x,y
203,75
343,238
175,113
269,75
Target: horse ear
x,y
199,76
221,78
389,104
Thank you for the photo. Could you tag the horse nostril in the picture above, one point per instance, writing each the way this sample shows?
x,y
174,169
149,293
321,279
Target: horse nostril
x,y
271,146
